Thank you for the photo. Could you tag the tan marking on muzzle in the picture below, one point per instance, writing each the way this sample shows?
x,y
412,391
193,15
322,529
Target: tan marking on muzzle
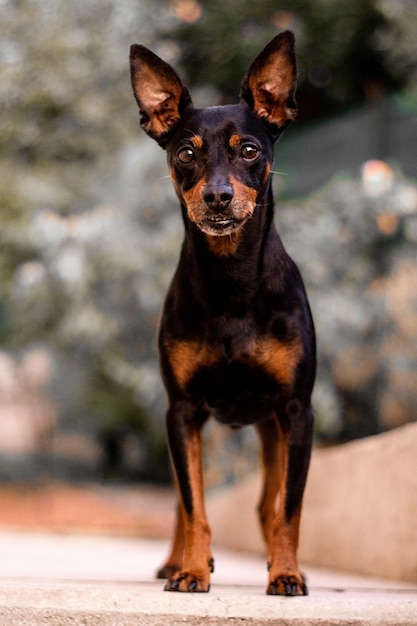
x,y
193,198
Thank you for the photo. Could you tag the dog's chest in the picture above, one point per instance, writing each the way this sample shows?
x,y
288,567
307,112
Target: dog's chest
x,y
234,356
235,339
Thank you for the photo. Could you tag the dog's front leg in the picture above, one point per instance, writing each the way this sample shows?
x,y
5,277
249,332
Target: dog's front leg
x,y
184,438
294,450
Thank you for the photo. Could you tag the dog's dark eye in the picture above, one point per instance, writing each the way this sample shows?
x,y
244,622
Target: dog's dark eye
x,y
186,155
249,152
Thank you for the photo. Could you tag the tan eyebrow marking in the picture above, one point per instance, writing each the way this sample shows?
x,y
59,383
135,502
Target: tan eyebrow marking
x,y
235,141
197,141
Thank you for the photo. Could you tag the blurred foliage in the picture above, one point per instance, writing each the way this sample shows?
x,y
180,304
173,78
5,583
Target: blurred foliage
x,y
52,65
116,418
89,231
346,48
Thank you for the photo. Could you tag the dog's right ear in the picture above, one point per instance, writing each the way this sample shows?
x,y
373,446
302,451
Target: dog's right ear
x,y
160,93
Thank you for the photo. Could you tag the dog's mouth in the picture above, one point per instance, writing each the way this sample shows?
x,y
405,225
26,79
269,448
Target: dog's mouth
x,y
219,226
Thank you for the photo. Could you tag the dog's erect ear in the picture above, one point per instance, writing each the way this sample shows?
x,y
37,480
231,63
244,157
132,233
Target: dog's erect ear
x,y
159,92
270,83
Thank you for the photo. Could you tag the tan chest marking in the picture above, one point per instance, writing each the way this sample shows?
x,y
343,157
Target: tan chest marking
x,y
278,359
187,357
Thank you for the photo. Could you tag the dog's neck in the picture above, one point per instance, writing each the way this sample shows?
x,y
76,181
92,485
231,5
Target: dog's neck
x,y
232,277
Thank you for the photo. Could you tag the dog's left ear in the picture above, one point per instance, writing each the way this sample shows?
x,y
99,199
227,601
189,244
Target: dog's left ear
x,y
270,83
160,93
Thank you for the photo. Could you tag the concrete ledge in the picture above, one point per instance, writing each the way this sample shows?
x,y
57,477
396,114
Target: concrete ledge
x,y
360,508
68,604
72,580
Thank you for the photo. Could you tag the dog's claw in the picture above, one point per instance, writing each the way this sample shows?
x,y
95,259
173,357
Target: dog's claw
x,y
290,589
172,585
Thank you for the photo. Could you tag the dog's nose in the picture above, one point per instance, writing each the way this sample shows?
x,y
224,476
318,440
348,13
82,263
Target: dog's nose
x,y
218,196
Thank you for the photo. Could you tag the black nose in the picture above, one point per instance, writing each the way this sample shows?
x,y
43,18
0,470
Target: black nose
x,y
218,196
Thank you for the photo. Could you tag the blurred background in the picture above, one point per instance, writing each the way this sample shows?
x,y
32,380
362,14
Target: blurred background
x,y
90,229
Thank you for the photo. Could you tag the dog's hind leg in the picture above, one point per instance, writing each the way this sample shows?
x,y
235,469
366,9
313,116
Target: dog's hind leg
x,y
175,559
268,431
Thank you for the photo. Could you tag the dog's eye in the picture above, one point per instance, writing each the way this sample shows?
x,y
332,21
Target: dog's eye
x,y
186,155
249,152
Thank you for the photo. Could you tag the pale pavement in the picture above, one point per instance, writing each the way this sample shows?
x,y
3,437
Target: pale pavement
x,y
58,580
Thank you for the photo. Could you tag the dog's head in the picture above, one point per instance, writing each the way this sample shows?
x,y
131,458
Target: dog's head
x,y
220,157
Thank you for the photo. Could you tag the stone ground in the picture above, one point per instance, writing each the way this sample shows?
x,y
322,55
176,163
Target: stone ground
x,y
88,556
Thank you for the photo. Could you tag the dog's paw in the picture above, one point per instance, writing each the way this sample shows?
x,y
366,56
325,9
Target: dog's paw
x,y
287,586
189,582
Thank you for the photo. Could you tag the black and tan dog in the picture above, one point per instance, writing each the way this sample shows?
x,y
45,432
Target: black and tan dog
x,y
236,338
